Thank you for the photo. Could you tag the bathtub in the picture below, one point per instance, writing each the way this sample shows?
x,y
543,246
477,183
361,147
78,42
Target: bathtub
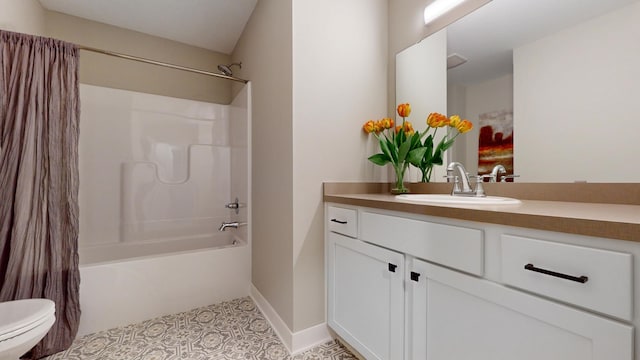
x,y
155,175
116,292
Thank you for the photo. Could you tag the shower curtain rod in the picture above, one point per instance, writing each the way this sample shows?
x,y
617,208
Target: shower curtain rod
x,y
159,63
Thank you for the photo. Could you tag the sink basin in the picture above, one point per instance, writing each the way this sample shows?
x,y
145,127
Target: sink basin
x,y
445,199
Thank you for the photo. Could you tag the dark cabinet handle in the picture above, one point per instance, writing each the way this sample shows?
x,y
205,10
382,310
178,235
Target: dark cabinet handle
x,y
338,221
415,276
392,267
580,279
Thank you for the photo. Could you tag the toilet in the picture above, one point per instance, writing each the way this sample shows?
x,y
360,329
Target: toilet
x,y
23,323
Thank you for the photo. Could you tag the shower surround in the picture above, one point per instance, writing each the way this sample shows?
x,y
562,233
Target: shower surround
x,y
155,175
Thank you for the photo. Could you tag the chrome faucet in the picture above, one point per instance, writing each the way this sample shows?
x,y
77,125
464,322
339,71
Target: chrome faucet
x,y
233,224
463,179
498,169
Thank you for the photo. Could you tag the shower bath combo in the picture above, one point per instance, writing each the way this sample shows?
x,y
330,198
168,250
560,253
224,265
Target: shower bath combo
x,y
153,203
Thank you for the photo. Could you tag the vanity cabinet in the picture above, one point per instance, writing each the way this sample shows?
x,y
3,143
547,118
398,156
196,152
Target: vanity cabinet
x,y
440,303
366,302
457,316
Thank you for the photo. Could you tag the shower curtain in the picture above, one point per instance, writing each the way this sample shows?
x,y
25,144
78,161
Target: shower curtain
x,y
39,114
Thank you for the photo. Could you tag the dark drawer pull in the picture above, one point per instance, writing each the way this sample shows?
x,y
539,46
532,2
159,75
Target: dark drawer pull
x,y
392,267
580,279
338,221
415,276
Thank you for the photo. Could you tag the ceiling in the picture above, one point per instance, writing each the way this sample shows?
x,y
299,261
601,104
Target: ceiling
x,y
488,36
211,24
217,25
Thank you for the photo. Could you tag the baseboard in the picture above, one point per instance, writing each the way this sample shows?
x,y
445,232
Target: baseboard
x,y
305,339
278,325
294,342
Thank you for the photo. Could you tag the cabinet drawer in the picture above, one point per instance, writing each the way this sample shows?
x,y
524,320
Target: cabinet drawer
x,y
595,279
471,318
453,246
343,221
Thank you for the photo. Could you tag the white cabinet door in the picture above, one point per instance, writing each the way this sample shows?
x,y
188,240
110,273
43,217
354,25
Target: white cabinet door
x,y
366,296
456,316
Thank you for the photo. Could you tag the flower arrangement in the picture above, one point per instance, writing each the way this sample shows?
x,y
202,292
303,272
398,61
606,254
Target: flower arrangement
x,y
433,154
402,146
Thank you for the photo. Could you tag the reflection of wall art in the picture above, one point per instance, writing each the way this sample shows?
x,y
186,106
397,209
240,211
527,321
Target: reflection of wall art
x,y
496,141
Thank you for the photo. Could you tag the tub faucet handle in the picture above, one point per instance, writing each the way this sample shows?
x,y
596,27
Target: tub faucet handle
x,y
234,205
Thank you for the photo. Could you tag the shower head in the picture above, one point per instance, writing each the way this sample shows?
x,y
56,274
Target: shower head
x,y
226,69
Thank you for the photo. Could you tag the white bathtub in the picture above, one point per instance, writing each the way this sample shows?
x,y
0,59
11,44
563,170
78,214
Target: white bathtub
x,y
120,292
155,175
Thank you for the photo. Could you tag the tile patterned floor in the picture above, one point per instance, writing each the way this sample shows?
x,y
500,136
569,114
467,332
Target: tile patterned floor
x,y
230,330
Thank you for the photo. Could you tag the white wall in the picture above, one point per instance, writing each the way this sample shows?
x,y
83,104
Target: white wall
x,y
109,71
318,71
339,82
26,16
265,49
585,93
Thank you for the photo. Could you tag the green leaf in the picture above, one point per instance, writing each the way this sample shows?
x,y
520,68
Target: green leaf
x,y
426,158
393,149
399,139
379,159
385,149
415,141
416,155
428,154
437,157
428,142
404,150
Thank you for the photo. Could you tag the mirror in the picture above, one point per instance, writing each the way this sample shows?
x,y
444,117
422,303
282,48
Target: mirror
x,y
567,73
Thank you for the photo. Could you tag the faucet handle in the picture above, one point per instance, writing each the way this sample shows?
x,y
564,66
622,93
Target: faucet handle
x,y
456,182
505,177
235,205
480,178
479,190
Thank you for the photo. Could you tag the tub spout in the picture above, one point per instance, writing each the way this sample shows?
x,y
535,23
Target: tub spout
x,y
233,224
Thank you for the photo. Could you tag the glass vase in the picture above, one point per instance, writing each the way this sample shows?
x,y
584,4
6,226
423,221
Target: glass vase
x,y
398,187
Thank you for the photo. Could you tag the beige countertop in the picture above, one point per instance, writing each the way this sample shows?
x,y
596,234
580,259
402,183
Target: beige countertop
x,y
607,220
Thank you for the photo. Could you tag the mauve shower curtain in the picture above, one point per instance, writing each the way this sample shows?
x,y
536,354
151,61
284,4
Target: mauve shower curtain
x,y
39,114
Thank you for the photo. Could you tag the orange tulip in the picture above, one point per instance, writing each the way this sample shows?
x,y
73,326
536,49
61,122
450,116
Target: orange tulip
x,y
378,126
369,127
408,128
404,110
436,120
387,123
464,126
454,121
